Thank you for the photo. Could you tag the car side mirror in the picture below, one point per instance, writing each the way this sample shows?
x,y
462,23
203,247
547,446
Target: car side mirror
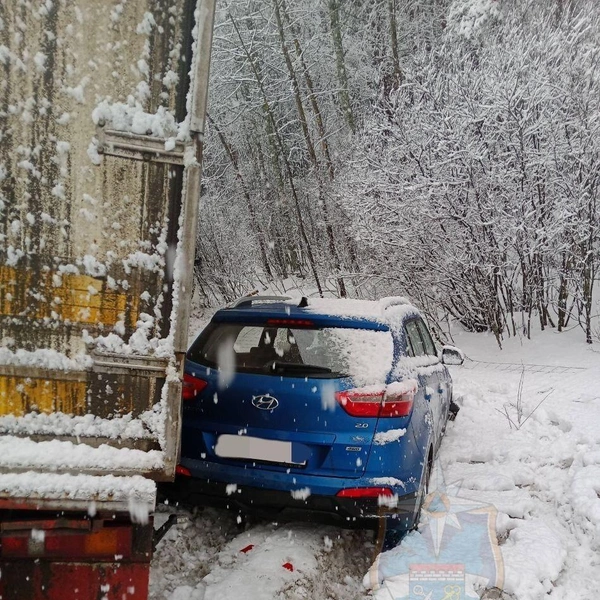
x,y
451,355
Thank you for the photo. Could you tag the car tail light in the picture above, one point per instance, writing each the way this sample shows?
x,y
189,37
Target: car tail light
x,y
399,398
184,471
368,492
361,402
396,400
192,386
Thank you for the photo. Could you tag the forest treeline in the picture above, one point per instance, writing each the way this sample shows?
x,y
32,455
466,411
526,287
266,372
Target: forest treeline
x,y
444,150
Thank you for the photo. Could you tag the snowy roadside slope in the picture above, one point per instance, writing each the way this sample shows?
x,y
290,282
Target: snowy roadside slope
x,y
544,477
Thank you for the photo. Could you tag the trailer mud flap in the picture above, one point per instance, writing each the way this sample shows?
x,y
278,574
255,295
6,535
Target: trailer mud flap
x,y
27,579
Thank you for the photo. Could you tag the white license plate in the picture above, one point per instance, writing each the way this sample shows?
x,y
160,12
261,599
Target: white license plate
x,y
253,448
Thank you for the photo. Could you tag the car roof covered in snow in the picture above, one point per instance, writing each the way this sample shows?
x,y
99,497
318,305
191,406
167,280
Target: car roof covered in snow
x,y
334,312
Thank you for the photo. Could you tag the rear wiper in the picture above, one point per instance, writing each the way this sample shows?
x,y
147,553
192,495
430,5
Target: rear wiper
x,y
280,366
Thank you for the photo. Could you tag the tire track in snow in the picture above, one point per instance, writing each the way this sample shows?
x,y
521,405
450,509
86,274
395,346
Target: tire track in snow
x,y
207,558
189,550
518,367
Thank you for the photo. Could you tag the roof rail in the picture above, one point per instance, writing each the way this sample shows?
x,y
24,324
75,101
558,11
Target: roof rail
x,y
394,301
249,300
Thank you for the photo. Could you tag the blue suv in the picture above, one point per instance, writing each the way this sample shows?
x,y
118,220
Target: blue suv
x,y
326,409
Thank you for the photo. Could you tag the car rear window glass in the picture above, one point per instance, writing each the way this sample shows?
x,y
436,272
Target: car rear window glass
x,y
364,355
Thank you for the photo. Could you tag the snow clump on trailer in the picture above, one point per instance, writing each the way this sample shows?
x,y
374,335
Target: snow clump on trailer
x,y
132,118
44,359
78,487
58,423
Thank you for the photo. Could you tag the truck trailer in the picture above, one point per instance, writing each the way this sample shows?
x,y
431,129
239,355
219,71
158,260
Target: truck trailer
x,y
102,112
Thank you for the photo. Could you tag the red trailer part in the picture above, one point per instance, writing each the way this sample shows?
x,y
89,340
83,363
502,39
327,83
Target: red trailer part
x,y
90,542
47,555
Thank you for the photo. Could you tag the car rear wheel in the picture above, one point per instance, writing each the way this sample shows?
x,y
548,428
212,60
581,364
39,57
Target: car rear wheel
x,y
394,528
424,488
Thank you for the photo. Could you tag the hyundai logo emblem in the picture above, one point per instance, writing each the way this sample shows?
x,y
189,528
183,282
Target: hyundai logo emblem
x,y
265,402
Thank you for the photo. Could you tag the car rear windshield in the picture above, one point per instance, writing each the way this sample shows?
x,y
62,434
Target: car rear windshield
x,y
364,355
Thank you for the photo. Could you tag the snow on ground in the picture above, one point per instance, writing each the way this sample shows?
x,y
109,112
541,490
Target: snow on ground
x,y
532,456
206,557
541,472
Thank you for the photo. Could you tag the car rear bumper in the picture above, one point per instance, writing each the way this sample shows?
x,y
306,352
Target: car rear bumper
x,y
281,505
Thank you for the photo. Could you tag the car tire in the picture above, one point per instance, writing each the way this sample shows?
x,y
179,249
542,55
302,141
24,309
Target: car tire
x,y
393,530
424,488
